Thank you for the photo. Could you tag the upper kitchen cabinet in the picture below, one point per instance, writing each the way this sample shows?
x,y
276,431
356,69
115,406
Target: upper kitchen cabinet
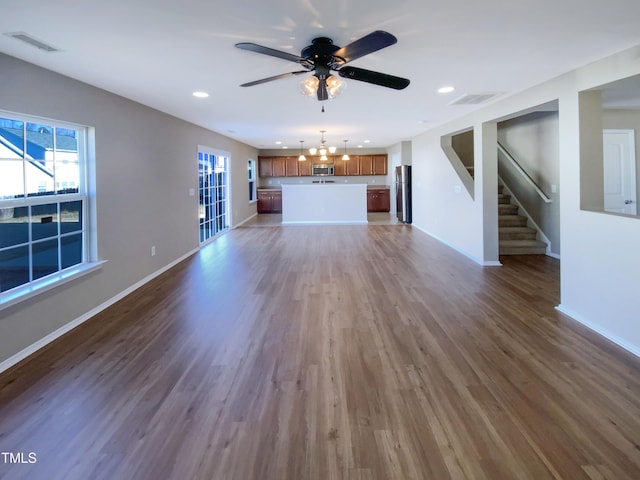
x,y
379,164
339,166
370,164
352,166
304,167
366,164
272,166
292,167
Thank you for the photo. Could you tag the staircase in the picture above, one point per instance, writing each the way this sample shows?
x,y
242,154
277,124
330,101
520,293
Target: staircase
x,y
515,237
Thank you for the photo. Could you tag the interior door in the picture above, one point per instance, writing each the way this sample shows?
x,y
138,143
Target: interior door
x,y
619,171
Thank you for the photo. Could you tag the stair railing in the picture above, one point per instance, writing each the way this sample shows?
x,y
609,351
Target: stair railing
x,y
524,174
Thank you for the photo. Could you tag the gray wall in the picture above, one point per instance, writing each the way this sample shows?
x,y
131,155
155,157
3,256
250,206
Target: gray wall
x,y
145,164
532,139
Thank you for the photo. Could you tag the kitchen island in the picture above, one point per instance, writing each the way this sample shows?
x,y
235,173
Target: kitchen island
x,y
329,203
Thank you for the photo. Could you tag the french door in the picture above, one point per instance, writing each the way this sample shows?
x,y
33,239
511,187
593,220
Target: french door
x,y
213,175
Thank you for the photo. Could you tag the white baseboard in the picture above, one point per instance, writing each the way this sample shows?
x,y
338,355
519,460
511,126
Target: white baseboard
x,y
634,349
245,221
553,255
484,263
34,347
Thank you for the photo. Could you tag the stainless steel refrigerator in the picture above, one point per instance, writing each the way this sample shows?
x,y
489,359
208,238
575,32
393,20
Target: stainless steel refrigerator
x,y
403,193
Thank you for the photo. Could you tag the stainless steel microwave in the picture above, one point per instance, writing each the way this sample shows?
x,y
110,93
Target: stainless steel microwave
x,y
322,169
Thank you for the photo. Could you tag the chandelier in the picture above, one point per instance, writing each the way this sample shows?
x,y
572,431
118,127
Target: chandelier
x,y
323,149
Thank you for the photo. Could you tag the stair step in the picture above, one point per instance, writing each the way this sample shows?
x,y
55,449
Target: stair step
x,y
522,247
512,221
517,233
507,209
503,198
500,189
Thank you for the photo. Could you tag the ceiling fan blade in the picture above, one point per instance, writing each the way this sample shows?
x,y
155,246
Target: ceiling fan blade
x,y
252,47
366,45
323,94
275,77
377,78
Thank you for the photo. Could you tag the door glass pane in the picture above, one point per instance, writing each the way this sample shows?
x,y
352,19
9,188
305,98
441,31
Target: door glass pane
x,y
45,258
14,268
213,202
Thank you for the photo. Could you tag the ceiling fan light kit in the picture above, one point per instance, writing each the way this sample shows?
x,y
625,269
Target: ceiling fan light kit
x,y
322,57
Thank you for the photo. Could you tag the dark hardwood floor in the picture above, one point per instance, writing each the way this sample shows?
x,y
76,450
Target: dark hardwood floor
x,y
342,352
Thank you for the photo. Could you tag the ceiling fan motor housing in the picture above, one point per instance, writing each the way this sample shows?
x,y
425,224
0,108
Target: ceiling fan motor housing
x,y
320,52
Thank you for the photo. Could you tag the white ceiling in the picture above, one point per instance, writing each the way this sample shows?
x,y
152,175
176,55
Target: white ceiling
x,y
157,52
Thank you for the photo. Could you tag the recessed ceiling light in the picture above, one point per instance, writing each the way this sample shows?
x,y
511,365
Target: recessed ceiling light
x,y
200,94
278,142
446,89
284,147
367,141
359,146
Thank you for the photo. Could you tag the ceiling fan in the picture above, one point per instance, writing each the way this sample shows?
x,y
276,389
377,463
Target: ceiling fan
x,y
322,57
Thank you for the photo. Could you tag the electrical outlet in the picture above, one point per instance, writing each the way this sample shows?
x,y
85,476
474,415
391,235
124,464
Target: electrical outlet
x,y
153,251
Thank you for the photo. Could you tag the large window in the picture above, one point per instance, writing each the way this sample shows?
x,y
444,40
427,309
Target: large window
x,y
214,191
43,200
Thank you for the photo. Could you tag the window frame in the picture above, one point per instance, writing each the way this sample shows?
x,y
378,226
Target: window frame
x,y
88,262
253,181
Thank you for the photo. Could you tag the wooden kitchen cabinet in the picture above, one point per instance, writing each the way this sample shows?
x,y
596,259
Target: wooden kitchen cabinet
x,y
292,168
352,166
289,166
379,164
340,166
272,166
265,166
269,201
304,168
366,164
378,200
279,166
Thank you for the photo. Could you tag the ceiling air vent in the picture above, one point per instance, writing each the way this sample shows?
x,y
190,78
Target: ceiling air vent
x,y
25,37
473,98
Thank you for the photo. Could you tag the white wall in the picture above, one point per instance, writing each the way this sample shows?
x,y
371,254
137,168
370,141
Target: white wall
x,y
145,165
600,260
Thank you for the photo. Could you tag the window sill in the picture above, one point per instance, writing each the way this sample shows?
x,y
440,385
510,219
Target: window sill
x,y
20,294
251,202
